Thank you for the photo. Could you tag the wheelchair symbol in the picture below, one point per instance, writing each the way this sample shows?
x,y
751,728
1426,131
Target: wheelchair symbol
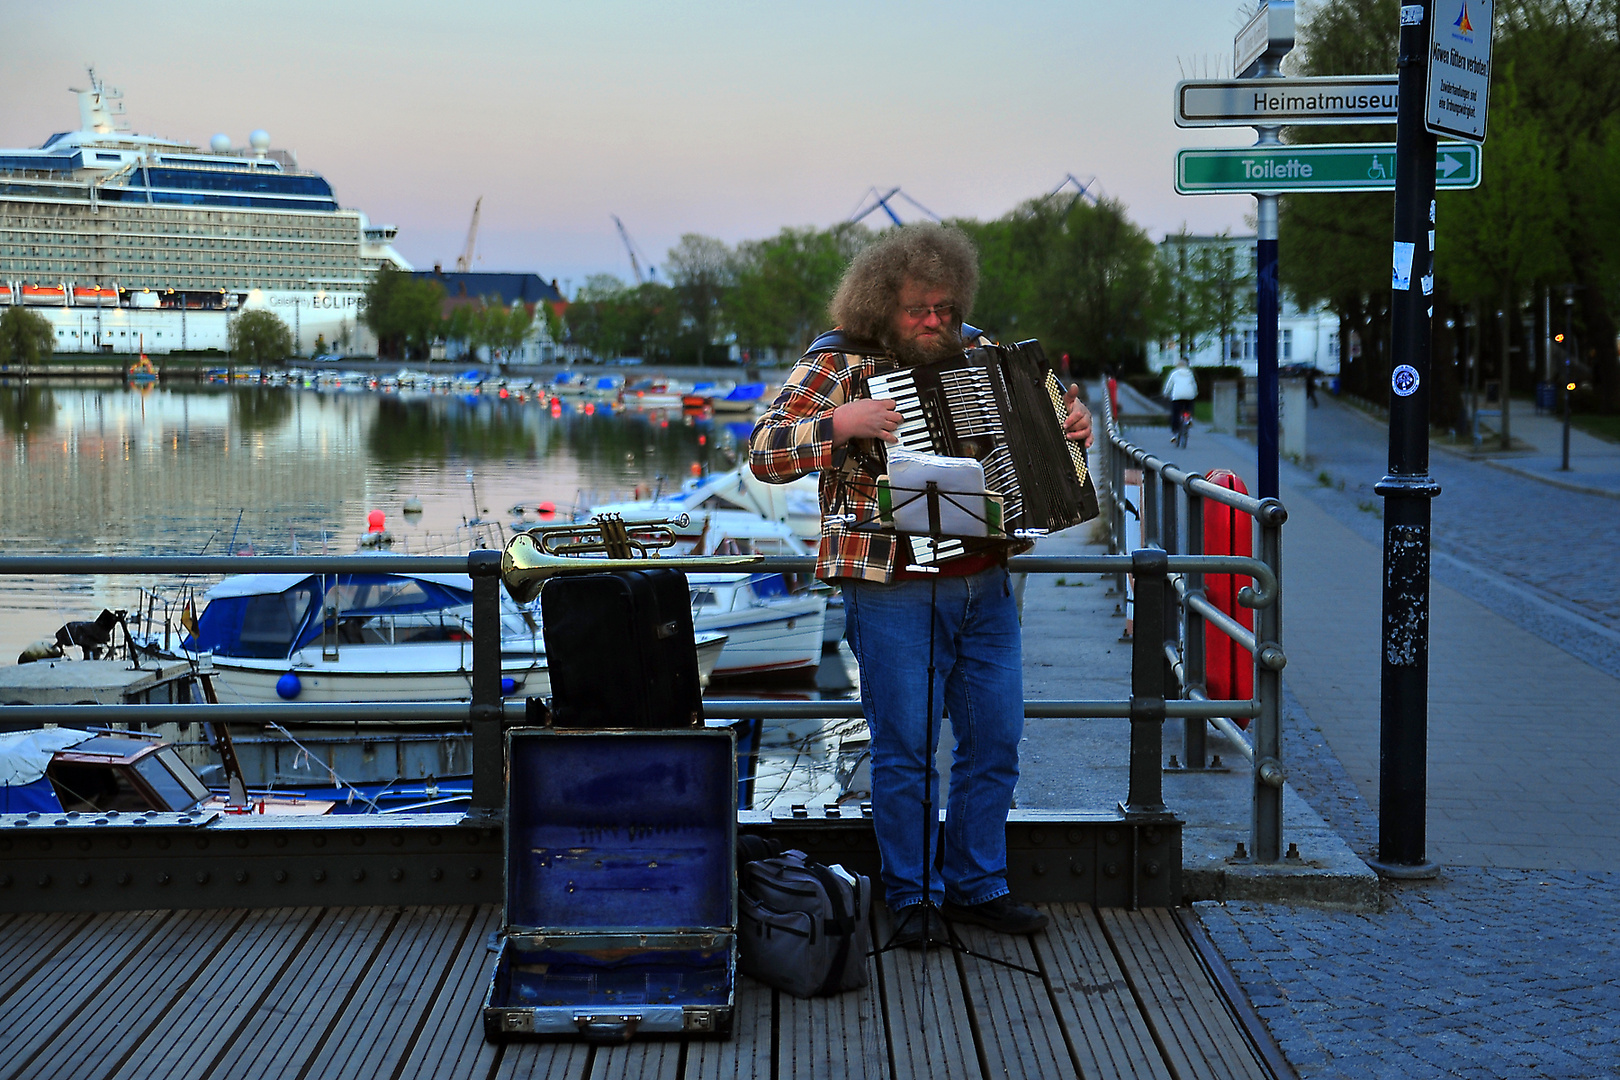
x,y
1377,171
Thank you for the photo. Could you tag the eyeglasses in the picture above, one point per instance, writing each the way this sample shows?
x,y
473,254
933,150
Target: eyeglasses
x,y
922,311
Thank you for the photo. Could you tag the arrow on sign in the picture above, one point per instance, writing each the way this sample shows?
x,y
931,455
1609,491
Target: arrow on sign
x,y
1448,165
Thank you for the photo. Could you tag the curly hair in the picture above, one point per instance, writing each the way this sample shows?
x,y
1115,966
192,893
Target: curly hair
x,y
936,256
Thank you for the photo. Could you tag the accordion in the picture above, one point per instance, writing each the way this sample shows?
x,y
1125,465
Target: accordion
x,y
1002,406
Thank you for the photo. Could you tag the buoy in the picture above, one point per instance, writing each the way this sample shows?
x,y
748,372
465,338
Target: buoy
x,y
413,505
375,521
703,440
289,686
548,508
697,468
508,686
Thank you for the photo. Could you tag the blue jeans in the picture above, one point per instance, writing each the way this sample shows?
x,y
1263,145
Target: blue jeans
x,y
978,681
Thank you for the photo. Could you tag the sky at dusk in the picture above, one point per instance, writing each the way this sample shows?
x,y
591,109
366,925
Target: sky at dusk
x,y
727,119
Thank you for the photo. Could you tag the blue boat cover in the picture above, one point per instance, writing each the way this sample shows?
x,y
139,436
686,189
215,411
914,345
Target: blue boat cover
x,y
273,625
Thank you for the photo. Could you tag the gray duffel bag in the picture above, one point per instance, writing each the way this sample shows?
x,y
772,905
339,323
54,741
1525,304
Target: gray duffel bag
x,y
803,927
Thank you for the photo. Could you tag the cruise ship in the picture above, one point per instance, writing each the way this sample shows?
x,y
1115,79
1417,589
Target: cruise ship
x,y
132,243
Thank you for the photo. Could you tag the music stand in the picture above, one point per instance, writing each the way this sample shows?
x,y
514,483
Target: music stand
x,y
930,817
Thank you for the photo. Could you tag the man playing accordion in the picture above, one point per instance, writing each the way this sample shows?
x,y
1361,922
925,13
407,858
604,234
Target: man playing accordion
x,y
904,299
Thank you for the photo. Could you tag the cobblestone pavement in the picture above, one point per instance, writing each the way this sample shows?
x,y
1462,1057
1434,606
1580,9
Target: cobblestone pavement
x,y
1543,556
1508,964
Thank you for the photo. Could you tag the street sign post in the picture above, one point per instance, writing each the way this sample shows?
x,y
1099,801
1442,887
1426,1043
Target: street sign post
x,y
1264,40
1315,167
1459,68
1333,99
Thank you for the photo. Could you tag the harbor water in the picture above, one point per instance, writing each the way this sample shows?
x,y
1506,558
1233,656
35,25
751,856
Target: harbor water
x,y
95,468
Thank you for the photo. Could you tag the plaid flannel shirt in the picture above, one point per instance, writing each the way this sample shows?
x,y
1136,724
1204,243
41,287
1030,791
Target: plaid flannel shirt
x,y
794,438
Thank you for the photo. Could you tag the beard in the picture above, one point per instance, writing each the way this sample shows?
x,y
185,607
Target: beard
x,y
928,350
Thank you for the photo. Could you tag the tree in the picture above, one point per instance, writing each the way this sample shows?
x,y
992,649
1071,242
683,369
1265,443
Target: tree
x,y
259,337
1504,237
1186,297
404,311
611,320
782,285
1078,276
26,337
701,270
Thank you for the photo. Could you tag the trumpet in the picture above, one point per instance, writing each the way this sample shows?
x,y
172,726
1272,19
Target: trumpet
x,y
605,544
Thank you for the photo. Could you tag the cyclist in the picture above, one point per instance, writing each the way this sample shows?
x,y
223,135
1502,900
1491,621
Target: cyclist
x,y
1181,387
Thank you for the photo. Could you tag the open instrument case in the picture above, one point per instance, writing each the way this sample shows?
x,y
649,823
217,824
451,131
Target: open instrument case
x,y
621,886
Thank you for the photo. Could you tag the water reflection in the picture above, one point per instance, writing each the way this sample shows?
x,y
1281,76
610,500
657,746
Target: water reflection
x,y
100,469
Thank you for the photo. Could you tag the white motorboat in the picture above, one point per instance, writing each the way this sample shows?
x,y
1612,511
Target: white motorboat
x,y
363,637
768,627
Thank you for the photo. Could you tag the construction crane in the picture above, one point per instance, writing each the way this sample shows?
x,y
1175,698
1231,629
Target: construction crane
x,y
1083,190
873,201
635,264
464,261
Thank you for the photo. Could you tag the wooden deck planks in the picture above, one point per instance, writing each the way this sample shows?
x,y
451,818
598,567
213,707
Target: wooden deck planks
x,y
650,1059
449,1043
1107,1033
211,1008
27,941
47,1001
749,1054
543,1061
833,1037
322,994
371,1033
925,1012
112,1022
1195,1031
286,1025
1017,1024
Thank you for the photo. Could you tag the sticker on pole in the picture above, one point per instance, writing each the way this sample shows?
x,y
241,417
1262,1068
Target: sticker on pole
x,y
1402,276
1404,380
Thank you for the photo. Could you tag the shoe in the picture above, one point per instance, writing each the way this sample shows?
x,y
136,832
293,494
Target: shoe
x,y
1004,915
914,931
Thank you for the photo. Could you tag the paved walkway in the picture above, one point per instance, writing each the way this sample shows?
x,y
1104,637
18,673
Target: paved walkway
x,y
1508,964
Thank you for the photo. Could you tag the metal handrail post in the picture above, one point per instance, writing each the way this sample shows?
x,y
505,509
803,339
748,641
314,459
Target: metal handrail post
x,y
1150,568
488,750
1169,516
1265,833
1194,732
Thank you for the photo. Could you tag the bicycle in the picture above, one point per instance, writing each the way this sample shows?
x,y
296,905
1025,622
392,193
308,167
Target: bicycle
x,y
1181,413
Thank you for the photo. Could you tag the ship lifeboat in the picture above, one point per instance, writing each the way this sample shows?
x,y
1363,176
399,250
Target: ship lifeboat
x,y
44,294
94,296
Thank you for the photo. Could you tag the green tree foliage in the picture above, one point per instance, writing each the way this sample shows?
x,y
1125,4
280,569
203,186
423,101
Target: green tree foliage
x,y
489,324
1546,214
26,337
782,285
1079,277
611,320
1333,248
1205,285
701,271
404,312
259,337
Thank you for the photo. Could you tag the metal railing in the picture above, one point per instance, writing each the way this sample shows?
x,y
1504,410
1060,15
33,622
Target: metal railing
x,y
1173,613
1155,571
